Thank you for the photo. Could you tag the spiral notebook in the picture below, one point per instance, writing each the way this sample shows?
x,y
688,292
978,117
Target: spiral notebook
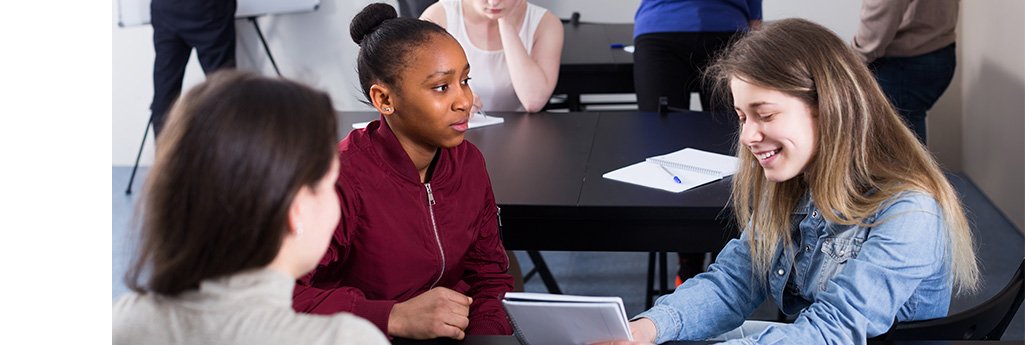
x,y
692,167
550,319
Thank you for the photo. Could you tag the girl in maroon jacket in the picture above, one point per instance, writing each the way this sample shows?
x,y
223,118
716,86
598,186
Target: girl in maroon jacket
x,y
418,251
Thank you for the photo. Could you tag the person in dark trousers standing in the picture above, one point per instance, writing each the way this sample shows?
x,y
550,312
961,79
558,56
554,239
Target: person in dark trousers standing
x,y
178,27
909,46
674,41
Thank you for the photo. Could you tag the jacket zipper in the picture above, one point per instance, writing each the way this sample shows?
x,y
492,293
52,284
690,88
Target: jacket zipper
x,y
434,226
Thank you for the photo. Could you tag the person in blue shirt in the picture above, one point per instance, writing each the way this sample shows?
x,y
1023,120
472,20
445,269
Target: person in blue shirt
x,y
849,223
674,40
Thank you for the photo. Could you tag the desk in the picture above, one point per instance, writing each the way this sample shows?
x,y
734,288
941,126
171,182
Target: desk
x,y
511,340
546,173
589,65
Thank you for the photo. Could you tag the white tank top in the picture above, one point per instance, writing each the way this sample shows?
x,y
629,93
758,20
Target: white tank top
x,y
488,68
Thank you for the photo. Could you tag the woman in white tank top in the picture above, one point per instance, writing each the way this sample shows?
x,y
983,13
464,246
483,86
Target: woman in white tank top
x,y
513,48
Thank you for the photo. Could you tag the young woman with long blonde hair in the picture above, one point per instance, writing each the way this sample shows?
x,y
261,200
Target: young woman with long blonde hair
x,y
849,223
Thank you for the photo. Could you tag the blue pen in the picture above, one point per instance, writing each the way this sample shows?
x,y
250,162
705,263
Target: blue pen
x,y
675,178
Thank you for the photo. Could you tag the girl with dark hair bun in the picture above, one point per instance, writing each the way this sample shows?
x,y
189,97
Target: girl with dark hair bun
x,y
418,251
240,202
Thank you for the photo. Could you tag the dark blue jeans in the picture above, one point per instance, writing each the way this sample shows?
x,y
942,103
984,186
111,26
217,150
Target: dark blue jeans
x,y
914,83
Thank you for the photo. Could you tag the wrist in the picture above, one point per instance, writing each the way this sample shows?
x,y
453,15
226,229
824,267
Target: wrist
x,y
396,327
504,24
646,330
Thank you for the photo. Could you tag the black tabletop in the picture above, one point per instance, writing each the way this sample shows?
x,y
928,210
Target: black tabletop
x,y
546,172
590,64
590,44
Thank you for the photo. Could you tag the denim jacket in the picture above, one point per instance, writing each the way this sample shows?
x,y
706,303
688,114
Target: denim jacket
x,y
845,283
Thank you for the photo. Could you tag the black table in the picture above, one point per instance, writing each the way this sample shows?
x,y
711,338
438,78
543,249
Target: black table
x,y
589,63
511,340
546,173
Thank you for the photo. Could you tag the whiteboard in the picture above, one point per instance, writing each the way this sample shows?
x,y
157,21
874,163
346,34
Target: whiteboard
x,y
136,12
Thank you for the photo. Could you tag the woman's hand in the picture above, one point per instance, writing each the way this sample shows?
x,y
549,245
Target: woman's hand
x,y
643,330
477,105
514,15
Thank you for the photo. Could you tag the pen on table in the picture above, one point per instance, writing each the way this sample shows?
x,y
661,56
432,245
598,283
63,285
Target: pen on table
x,y
675,178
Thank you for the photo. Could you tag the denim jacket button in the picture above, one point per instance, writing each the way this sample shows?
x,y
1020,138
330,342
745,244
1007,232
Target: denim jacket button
x,y
814,214
780,272
807,248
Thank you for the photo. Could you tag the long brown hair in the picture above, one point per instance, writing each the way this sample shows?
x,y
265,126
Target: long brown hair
x,y
237,149
863,145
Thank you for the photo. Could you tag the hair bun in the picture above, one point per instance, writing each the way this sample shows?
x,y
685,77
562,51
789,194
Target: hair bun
x,y
369,19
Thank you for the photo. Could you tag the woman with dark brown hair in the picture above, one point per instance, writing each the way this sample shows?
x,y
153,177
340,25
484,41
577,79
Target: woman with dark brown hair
x,y
240,202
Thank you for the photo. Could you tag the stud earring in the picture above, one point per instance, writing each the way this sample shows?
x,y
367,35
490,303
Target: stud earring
x,y
387,109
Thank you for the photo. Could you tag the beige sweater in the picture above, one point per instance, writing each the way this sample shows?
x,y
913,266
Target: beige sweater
x,y
248,308
905,28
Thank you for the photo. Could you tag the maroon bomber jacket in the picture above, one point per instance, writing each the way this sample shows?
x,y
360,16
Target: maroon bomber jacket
x,y
399,237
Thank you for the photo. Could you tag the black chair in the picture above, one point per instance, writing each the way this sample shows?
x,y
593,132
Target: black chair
x,y
986,321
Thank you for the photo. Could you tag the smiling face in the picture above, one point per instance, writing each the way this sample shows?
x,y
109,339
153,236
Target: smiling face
x,y
433,98
780,130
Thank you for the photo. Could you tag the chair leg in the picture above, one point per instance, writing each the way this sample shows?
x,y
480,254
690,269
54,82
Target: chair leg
x,y
541,268
663,262
514,271
145,133
650,291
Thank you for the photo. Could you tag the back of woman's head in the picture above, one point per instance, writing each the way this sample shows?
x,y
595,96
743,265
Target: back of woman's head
x,y
387,43
865,154
237,149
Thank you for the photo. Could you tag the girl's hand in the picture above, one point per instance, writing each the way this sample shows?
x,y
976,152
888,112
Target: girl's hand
x,y
643,330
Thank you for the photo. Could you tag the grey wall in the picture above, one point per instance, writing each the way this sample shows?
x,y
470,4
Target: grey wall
x,y
311,47
993,95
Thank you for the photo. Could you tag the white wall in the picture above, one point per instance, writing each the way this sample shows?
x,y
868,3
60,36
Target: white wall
x,y
315,48
840,16
993,91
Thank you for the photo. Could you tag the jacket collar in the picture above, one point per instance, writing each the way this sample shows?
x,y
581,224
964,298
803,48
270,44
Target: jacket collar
x,y
386,145
805,205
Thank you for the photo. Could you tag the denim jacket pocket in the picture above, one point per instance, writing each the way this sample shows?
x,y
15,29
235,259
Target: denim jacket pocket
x,y
837,251
841,249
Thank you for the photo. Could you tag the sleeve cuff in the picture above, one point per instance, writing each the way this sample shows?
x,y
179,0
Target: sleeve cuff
x,y
488,327
376,312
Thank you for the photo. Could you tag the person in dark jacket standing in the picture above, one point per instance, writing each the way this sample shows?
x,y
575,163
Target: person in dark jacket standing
x,y
178,27
418,251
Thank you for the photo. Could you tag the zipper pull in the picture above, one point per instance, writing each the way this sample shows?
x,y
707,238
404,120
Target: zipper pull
x,y
430,195
499,216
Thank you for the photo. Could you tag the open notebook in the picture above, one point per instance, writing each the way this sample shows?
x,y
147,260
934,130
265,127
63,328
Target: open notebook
x,y
476,120
692,167
543,319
